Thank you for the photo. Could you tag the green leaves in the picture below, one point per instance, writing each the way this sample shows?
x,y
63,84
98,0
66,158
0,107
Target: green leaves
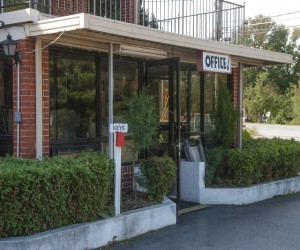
x,y
157,176
264,160
40,195
224,119
142,117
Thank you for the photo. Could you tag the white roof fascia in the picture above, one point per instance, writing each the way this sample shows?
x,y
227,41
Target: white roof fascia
x,y
20,16
132,31
56,25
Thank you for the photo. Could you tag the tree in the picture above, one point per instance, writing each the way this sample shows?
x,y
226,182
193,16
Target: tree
x,y
295,104
263,33
260,98
140,112
224,118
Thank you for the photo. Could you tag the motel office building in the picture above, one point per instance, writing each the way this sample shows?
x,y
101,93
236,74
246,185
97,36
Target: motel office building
x,y
76,64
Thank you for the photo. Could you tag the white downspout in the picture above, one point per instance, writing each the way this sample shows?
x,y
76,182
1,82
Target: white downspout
x,y
39,99
18,109
110,99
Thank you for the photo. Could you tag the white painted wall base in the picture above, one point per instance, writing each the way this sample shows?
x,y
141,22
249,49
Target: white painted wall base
x,y
193,188
192,180
100,233
240,196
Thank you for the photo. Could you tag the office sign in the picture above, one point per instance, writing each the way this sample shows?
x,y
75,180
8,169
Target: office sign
x,y
212,62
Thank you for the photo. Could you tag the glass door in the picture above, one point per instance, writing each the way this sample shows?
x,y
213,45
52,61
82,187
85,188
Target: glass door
x,y
162,79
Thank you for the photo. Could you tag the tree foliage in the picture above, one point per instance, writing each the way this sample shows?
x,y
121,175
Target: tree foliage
x,y
263,33
224,118
140,112
272,88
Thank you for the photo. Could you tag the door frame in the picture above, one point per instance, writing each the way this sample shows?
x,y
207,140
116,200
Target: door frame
x,y
174,125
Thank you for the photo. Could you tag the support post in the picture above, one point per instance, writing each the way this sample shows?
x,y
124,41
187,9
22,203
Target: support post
x,y
110,99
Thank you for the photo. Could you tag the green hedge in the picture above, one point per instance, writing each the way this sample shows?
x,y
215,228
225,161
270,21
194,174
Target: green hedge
x,y
157,176
39,195
263,160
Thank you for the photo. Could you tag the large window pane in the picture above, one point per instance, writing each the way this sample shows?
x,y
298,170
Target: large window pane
x,y
73,96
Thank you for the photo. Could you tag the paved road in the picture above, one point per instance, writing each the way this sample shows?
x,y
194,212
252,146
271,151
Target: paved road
x,y
270,131
269,225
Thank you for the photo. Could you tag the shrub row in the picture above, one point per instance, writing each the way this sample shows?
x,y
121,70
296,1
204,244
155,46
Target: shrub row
x,y
39,195
263,160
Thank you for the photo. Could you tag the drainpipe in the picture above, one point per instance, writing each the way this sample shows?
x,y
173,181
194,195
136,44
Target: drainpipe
x,y
38,99
110,99
18,113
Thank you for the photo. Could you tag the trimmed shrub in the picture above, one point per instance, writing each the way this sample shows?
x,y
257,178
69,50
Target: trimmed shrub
x,y
225,118
39,195
264,160
215,164
157,176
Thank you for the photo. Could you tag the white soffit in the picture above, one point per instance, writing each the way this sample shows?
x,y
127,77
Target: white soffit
x,y
99,25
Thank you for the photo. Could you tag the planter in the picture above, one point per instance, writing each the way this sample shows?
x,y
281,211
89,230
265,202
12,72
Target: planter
x,y
99,233
240,196
192,176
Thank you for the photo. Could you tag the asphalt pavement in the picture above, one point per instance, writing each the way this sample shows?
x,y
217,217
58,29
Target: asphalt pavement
x,y
269,225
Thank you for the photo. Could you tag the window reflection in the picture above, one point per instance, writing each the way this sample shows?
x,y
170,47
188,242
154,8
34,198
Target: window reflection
x,y
73,92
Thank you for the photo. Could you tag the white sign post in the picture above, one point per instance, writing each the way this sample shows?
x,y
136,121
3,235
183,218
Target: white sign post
x,y
118,128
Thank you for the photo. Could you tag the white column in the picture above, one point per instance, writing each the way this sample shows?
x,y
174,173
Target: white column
x,y
39,98
110,99
117,159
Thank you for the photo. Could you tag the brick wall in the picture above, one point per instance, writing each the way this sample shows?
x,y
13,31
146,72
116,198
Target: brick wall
x,y
126,179
69,7
235,94
235,87
28,100
46,101
128,11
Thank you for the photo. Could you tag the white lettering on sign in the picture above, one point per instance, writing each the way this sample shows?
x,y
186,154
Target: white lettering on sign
x,y
118,127
212,62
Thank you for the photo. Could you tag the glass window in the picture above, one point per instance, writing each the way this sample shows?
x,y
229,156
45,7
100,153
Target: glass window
x,y
73,96
6,106
212,83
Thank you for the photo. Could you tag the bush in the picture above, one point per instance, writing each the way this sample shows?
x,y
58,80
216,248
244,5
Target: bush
x,y
263,160
39,195
215,162
224,119
157,176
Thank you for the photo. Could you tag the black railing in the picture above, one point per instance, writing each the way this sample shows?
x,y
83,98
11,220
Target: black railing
x,y
207,19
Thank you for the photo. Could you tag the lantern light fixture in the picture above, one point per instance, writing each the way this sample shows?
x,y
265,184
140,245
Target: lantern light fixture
x,y
9,47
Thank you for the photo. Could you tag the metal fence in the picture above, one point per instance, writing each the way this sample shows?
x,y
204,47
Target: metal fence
x,y
208,19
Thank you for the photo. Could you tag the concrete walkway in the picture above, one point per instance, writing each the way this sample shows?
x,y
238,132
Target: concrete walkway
x,y
268,225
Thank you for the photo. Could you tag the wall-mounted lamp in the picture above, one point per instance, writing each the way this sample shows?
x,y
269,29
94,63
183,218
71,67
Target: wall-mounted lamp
x,y
9,46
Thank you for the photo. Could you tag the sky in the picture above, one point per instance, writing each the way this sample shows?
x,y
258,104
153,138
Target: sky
x,y
273,8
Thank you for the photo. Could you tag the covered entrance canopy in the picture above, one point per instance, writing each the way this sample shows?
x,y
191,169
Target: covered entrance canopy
x,y
167,54
96,33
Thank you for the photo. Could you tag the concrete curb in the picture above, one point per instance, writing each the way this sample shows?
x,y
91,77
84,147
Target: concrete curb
x,y
99,233
247,195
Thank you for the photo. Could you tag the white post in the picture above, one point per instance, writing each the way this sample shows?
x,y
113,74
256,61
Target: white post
x,y
110,99
113,128
39,98
117,158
